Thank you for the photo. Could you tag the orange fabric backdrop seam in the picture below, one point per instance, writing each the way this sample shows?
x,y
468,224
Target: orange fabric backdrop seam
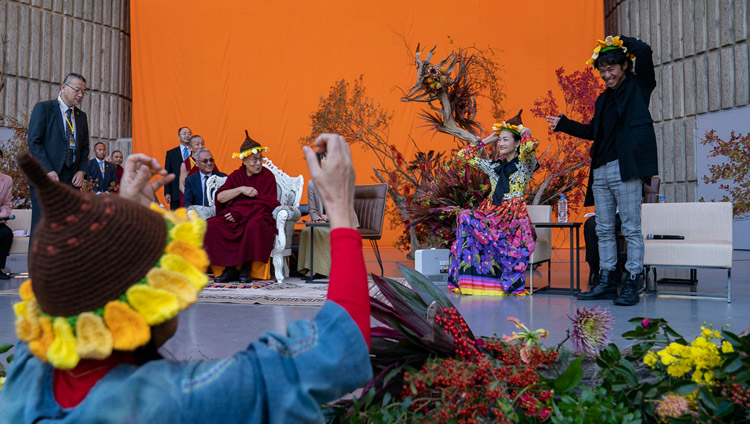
x,y
223,67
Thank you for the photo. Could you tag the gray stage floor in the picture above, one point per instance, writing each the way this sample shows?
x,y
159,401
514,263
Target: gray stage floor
x,y
210,330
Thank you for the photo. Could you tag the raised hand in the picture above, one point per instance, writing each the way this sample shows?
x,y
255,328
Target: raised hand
x,y
335,182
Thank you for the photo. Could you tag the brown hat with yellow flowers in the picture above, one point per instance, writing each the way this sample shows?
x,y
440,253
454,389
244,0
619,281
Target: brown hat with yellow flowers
x,y
103,270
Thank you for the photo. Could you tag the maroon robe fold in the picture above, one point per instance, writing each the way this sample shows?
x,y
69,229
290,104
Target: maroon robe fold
x,y
250,237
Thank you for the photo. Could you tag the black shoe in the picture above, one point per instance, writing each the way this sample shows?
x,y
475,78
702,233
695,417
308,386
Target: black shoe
x,y
630,291
4,276
605,288
229,275
245,275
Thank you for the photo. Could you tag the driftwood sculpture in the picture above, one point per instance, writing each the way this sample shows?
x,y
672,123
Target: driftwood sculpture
x,y
449,84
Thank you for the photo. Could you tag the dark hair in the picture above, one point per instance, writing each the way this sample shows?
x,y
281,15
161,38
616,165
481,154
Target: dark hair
x,y
1,153
321,156
102,143
180,129
73,75
116,151
613,57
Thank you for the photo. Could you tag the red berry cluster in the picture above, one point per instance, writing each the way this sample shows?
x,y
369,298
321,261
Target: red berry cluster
x,y
481,390
454,324
737,393
456,391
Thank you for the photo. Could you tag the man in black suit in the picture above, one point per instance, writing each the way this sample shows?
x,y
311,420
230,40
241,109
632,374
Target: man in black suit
x,y
101,172
172,163
195,185
58,137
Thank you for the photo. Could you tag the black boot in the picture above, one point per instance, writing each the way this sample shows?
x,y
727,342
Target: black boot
x,y
229,275
605,288
630,291
245,274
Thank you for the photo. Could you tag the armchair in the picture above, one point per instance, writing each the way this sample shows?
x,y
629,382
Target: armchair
x,y
289,194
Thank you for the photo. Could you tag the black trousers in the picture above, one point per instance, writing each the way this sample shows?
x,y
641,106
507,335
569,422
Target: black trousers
x,y
6,239
66,177
592,245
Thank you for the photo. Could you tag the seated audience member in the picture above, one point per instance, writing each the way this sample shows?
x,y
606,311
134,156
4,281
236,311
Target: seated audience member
x,y
241,234
101,172
322,244
195,185
6,207
88,351
117,162
321,256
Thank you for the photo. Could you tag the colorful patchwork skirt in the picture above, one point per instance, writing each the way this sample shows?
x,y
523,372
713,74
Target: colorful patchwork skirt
x,y
492,249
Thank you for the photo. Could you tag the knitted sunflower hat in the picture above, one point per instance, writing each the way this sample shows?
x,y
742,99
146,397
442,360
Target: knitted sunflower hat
x,y
103,271
514,125
609,43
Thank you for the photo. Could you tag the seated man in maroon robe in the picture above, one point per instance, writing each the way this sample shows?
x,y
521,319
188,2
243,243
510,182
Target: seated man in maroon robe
x,y
241,234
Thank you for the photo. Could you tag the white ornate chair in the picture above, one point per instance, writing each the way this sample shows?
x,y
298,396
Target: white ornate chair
x,y
289,194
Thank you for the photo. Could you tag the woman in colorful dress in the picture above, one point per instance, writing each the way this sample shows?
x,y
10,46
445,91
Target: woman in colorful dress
x,y
494,242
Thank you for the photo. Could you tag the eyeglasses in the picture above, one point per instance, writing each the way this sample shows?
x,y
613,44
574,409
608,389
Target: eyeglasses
x,y
255,160
77,90
211,160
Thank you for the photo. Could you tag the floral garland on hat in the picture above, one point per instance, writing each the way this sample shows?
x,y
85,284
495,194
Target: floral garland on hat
x,y
172,285
504,126
609,43
245,153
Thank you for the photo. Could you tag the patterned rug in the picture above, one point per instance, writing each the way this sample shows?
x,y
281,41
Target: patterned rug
x,y
292,292
237,285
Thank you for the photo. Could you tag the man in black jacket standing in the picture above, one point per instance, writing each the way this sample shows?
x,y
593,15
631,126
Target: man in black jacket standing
x,y
622,156
58,137
172,164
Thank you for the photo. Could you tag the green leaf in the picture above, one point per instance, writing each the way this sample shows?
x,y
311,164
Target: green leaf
x,y
10,357
4,347
732,338
733,365
570,378
685,387
725,408
424,287
707,399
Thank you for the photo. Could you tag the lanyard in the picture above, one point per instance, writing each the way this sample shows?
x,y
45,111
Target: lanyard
x,y
70,124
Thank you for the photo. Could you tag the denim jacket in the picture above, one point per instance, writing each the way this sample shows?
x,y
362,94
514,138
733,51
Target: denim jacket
x,y
278,379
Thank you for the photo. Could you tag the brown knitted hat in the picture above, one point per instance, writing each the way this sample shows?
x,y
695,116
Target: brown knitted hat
x,y
87,250
248,143
516,120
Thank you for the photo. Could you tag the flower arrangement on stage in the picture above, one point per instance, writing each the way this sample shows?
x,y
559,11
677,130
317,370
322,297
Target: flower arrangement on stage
x,y
8,166
431,368
430,188
565,173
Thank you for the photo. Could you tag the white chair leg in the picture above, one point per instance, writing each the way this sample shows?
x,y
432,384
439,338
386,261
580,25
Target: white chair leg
x,y
278,267
729,285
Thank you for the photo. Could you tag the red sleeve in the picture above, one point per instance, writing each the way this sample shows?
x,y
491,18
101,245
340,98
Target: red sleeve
x,y
347,285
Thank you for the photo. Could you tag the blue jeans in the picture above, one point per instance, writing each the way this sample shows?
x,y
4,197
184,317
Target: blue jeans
x,y
611,193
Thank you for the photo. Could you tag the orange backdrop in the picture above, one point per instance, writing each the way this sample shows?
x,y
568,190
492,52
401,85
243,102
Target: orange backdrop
x,y
221,67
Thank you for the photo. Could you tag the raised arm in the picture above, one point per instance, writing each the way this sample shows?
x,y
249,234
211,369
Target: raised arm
x,y
644,63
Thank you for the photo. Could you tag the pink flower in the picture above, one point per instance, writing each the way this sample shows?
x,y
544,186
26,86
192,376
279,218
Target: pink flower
x,y
645,323
546,411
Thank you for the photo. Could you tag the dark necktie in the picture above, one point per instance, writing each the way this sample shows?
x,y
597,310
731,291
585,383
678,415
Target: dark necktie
x,y
205,192
69,152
